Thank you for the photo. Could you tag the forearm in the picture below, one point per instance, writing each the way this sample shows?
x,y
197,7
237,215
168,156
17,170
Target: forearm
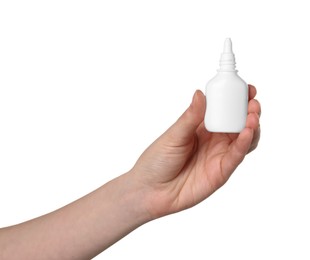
x,y
81,229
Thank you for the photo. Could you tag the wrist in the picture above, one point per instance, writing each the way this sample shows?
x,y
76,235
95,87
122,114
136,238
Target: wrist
x,y
151,202
133,199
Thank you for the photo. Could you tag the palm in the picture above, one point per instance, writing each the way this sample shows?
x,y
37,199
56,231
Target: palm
x,y
206,171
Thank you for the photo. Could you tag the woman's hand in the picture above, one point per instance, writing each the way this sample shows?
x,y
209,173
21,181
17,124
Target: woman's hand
x,y
181,168
187,163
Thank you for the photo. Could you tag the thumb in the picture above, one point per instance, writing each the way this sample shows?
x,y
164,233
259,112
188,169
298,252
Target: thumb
x,y
185,127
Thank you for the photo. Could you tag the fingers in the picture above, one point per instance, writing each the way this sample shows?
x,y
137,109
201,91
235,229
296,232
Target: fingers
x,y
185,127
252,121
247,140
255,140
237,152
254,113
252,92
254,107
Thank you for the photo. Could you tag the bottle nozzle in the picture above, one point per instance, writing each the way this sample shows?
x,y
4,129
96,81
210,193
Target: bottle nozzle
x,y
227,61
227,46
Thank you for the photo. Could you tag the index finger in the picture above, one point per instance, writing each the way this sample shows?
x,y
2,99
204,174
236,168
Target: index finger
x,y
252,92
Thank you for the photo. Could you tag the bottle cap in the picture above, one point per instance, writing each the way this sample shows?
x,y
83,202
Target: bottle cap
x,y
227,61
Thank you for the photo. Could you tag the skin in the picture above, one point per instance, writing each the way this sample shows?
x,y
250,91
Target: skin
x,y
184,166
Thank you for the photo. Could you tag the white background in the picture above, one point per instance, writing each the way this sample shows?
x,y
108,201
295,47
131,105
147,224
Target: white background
x,y
86,86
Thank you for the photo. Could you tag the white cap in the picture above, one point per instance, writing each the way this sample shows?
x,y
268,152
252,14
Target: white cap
x,y
227,61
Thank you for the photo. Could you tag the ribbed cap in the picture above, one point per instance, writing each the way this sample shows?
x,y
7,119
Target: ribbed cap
x,y
227,61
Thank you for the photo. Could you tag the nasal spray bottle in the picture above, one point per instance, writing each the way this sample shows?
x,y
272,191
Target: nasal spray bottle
x,y
226,96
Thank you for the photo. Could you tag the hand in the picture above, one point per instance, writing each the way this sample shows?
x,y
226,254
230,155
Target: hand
x,y
181,168
187,163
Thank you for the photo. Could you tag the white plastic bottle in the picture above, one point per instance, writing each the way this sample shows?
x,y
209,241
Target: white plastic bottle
x,y
227,96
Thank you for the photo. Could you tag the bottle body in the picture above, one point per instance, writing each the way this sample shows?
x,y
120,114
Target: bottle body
x,y
227,103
